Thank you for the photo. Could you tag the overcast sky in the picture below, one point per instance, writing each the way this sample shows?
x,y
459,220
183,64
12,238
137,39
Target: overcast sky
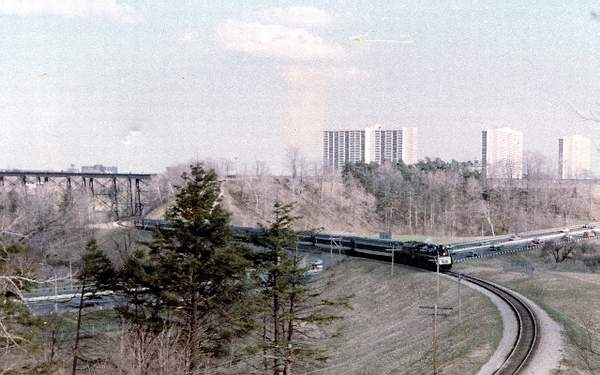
x,y
145,84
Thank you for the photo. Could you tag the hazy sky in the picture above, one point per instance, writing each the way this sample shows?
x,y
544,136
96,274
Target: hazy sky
x,y
145,84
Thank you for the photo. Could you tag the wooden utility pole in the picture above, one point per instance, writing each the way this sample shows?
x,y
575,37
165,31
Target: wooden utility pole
x,y
591,201
459,299
393,253
437,278
435,314
435,308
393,250
434,341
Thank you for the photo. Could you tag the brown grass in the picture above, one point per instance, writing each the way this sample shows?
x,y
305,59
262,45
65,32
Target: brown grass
x,y
569,292
321,202
387,332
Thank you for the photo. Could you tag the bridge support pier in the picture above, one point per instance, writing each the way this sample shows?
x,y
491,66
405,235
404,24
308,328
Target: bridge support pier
x,y
115,196
139,206
114,193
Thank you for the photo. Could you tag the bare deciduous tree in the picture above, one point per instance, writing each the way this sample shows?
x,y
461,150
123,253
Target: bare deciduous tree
x,y
559,250
261,168
583,338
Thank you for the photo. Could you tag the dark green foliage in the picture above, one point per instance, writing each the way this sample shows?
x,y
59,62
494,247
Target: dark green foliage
x,y
443,198
465,169
364,173
367,174
292,307
95,274
194,276
96,271
387,184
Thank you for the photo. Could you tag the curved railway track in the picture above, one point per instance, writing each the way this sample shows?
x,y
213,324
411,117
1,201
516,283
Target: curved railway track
x,y
528,328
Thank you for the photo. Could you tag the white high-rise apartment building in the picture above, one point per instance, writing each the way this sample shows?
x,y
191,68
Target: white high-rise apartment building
x,y
574,157
343,146
372,144
393,145
502,153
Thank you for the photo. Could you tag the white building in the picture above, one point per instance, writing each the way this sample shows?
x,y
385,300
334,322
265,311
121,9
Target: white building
x,y
393,145
372,144
502,153
99,168
574,157
343,146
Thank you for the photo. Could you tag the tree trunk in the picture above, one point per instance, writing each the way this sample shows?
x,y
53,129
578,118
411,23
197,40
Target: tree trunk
x,y
431,214
192,347
488,217
276,341
78,329
264,338
287,370
410,224
276,322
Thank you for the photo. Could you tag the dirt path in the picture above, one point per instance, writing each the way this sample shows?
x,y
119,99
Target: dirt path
x,y
509,331
546,358
548,355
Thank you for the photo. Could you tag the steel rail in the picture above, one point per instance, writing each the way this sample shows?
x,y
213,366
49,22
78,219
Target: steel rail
x,y
528,327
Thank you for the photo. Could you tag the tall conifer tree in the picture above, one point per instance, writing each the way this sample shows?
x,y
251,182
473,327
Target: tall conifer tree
x,y
192,275
292,304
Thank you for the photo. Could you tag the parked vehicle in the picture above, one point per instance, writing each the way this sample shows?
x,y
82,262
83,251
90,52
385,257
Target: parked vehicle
x,y
317,265
496,247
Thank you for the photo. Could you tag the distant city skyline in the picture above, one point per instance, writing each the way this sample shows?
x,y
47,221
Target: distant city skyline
x,y
144,85
374,144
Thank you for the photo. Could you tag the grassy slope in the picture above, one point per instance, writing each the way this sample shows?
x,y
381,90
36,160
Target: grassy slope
x,y
387,332
568,292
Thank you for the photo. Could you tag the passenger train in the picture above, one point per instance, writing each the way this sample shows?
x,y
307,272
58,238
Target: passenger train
x,y
413,253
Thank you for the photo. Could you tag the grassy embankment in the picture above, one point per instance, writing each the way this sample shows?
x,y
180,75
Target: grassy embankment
x,y
388,333
568,291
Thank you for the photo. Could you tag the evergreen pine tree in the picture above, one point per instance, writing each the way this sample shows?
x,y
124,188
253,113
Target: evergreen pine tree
x,y
193,275
292,305
96,274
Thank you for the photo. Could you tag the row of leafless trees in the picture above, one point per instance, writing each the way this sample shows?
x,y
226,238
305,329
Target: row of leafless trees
x,y
434,197
42,231
433,202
